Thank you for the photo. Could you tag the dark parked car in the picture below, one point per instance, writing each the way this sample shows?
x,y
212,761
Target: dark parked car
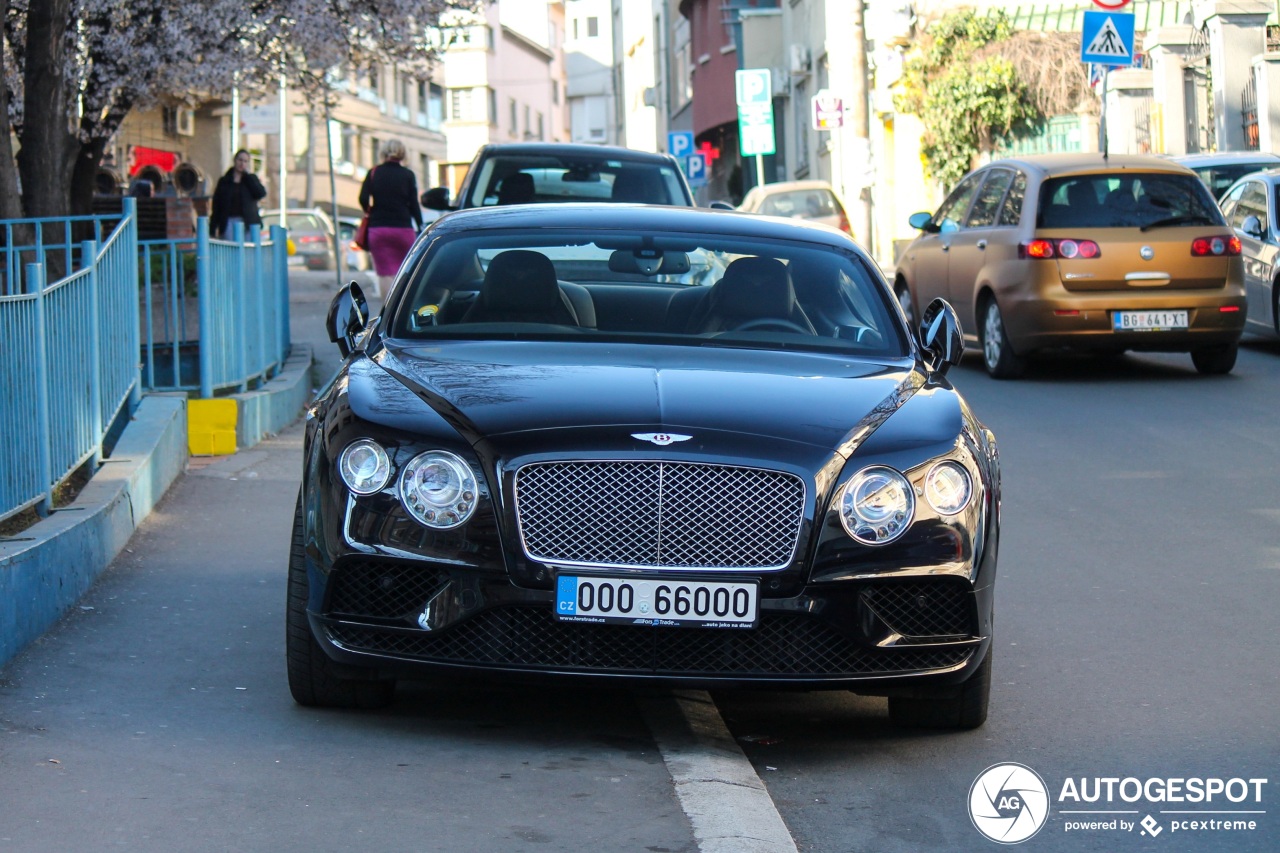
x,y
681,447
1250,207
529,172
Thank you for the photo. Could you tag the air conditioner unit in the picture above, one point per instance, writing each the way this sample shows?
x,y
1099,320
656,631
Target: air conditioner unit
x,y
185,121
801,60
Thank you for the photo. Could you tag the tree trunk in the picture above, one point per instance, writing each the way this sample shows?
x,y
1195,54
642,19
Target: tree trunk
x,y
10,196
49,149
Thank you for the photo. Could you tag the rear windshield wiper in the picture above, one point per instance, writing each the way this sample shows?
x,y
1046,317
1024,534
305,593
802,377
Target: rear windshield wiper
x,y
1186,219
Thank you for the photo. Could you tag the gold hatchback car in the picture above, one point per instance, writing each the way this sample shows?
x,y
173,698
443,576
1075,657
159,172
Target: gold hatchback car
x,y
1078,251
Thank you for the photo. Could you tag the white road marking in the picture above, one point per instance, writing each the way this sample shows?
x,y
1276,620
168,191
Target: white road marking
x,y
727,804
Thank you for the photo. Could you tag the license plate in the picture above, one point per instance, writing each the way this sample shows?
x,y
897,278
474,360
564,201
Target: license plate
x,y
672,603
1148,321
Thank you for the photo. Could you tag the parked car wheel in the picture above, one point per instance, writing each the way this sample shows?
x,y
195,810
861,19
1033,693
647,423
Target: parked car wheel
x,y
997,354
314,679
1215,360
963,706
908,306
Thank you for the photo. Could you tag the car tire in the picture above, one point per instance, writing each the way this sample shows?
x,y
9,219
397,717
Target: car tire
x,y
997,353
908,305
962,706
315,680
1215,360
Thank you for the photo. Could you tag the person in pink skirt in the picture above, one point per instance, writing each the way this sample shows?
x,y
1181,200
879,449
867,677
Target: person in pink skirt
x,y
389,196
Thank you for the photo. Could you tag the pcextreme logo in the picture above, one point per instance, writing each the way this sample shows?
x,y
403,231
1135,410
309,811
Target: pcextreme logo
x,y
1009,803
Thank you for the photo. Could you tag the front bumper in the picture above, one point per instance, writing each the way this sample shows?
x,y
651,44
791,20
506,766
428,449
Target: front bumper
x,y
402,617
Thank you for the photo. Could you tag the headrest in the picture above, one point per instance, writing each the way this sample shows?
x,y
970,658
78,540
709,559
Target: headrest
x,y
516,189
754,287
635,186
814,276
520,280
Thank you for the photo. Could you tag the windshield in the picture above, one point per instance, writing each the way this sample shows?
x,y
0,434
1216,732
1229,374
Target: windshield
x,y
648,288
1126,200
553,178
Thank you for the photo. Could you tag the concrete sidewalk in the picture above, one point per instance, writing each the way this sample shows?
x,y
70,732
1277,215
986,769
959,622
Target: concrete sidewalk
x,y
46,568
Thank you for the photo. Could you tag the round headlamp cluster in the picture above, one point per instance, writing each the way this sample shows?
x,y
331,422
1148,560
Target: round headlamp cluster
x,y
877,505
364,467
948,487
438,489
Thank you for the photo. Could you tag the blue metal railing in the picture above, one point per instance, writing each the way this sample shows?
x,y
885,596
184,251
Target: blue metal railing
x,y
72,364
231,293
126,316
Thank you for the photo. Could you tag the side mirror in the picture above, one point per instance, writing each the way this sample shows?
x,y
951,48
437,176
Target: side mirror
x,y
1252,226
721,205
436,198
348,315
920,221
940,335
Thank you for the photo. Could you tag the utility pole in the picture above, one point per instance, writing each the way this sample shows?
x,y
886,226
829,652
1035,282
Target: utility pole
x,y
861,161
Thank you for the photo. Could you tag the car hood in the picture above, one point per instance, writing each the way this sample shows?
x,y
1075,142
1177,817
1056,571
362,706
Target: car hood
x,y
522,397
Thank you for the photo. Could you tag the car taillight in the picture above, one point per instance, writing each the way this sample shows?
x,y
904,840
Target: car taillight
x,y
1069,249
844,222
311,238
1206,246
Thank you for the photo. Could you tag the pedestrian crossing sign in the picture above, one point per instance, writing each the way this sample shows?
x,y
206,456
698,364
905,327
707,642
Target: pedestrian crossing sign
x,y
1107,38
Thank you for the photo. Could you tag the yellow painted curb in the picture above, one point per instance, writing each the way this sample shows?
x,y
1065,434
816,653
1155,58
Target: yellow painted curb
x,y
211,427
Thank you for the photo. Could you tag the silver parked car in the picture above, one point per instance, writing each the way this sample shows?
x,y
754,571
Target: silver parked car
x,y
1250,207
1220,169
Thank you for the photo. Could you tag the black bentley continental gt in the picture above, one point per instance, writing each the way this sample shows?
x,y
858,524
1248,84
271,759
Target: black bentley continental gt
x,y
677,447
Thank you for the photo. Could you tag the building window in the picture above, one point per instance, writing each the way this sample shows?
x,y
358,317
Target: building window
x,y
555,91
593,27
511,108
465,104
435,106
575,28
422,96
541,131
527,128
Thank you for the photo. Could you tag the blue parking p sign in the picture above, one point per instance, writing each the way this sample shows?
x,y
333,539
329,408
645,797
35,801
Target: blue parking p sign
x,y
680,143
696,169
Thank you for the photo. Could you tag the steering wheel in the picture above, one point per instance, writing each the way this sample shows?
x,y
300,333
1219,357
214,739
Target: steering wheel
x,y
776,323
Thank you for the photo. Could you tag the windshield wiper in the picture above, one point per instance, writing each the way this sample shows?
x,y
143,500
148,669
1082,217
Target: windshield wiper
x,y
1185,219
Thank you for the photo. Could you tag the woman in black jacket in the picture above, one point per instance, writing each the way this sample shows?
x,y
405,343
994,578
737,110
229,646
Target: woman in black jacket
x,y
236,197
389,196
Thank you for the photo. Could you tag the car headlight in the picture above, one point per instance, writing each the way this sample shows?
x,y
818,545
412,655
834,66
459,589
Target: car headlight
x,y
876,506
364,467
438,489
948,487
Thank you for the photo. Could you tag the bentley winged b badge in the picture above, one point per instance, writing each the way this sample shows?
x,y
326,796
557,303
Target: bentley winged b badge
x,y
662,439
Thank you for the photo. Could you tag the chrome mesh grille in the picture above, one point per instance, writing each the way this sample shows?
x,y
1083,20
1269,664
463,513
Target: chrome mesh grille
x,y
671,515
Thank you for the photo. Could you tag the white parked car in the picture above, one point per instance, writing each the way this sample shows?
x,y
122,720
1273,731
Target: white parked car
x,y
814,201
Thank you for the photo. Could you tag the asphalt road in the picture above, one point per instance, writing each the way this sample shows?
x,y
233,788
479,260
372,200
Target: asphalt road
x,y
1136,615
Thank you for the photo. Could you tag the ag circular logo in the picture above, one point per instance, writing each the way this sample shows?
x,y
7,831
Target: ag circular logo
x,y
1008,803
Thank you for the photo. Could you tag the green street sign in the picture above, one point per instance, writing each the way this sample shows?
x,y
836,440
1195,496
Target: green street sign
x,y
755,112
